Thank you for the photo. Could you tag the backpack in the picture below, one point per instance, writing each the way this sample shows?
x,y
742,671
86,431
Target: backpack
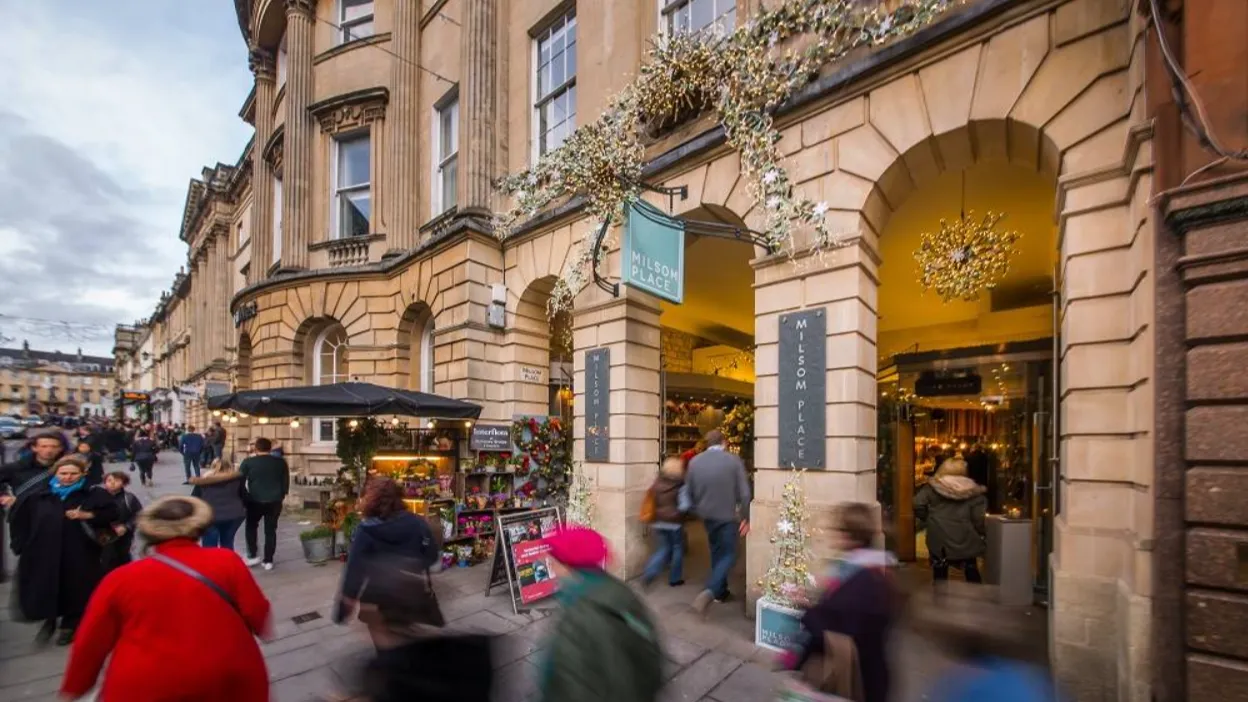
x,y
648,506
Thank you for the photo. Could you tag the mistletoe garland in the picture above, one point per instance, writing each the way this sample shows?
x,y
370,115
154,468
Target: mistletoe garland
x,y
742,77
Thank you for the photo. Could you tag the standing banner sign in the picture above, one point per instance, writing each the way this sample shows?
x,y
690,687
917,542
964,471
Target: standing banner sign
x,y
522,554
653,251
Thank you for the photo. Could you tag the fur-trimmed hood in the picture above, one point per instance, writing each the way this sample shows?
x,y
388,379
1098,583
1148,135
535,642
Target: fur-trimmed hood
x,y
956,487
157,531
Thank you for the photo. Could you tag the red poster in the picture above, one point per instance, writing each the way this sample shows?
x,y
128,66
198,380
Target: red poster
x,y
530,555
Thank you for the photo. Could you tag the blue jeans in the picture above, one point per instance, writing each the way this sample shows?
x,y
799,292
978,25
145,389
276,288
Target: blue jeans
x,y
221,534
723,541
189,461
670,548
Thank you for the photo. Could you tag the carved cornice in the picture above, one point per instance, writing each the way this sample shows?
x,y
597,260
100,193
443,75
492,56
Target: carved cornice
x,y
350,111
300,7
272,153
261,63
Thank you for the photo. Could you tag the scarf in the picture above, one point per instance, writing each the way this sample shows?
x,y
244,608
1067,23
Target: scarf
x,y
63,491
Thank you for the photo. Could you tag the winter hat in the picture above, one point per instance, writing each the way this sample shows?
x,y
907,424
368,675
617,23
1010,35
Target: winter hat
x,y
174,517
579,548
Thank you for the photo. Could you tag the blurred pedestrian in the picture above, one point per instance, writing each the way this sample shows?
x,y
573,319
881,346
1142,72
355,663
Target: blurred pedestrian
x,y
95,462
668,525
143,451
952,506
56,525
268,482
603,646
218,441
144,615
191,446
223,489
720,494
118,552
843,646
42,451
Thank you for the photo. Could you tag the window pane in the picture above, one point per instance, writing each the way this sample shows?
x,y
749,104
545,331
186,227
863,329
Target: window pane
x,y
353,157
354,206
559,109
571,107
570,55
358,30
450,172
325,430
557,74
446,137
355,9
703,13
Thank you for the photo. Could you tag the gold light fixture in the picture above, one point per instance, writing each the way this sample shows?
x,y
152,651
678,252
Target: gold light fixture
x,y
294,424
216,413
264,420
966,256
353,423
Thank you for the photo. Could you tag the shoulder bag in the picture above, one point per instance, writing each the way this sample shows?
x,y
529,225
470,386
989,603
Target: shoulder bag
x,y
191,572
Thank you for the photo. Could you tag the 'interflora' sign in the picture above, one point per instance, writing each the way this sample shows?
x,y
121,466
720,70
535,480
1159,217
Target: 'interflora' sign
x,y
803,389
653,254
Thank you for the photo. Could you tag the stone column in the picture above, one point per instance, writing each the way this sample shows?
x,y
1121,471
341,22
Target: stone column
x,y
403,125
478,105
261,174
297,150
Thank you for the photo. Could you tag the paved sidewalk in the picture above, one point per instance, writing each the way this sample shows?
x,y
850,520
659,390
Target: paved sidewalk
x,y
711,660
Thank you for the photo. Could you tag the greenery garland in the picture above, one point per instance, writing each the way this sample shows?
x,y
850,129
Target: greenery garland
x,y
358,440
544,447
742,77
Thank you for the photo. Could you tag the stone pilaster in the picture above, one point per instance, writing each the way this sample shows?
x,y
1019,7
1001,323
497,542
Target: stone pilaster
x,y
478,105
403,120
261,172
297,150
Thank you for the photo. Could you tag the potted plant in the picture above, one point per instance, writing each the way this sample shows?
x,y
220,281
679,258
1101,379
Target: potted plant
x,y
318,543
346,531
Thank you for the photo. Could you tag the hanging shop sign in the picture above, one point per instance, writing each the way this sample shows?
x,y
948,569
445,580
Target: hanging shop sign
x,y
597,405
522,558
135,396
653,254
215,388
948,383
490,437
803,389
244,313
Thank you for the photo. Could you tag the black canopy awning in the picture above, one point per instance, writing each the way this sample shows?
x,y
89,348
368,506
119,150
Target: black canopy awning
x,y
343,400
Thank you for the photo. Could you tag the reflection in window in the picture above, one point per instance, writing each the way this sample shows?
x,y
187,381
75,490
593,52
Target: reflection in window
x,y
698,15
352,189
446,140
556,83
355,18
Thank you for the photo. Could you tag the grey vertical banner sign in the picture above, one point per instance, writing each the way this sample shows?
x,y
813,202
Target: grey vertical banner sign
x,y
803,389
598,405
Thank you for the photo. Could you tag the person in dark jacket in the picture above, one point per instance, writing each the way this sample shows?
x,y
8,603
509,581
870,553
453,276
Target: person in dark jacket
x,y
143,450
217,442
32,464
268,481
859,602
118,553
952,506
95,462
223,489
604,645
191,446
668,525
55,527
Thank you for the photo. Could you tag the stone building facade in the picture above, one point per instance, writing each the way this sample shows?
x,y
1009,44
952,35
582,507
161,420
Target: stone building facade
x,y
34,382
352,240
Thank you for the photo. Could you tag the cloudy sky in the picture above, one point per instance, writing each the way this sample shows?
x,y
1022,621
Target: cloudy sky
x,y
107,110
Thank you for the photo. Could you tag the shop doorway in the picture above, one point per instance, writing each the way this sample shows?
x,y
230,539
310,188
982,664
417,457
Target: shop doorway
x,y
971,379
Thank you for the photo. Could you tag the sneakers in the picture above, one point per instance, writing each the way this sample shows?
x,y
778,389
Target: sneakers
x,y
65,638
268,566
45,633
252,561
703,601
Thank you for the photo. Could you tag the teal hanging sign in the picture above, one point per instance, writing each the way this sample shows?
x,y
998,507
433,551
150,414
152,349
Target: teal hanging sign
x,y
654,253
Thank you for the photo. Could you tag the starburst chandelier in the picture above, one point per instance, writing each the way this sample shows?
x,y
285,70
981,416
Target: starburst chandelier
x,y
966,256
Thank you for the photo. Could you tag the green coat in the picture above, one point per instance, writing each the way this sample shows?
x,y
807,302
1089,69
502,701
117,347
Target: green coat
x,y
604,646
953,508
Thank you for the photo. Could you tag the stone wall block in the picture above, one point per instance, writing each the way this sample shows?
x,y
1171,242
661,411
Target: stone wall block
x,y
1217,310
1210,678
1009,61
1216,495
1213,558
1215,372
1217,622
835,121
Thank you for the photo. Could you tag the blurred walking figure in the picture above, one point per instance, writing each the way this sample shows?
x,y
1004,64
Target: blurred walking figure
x,y
603,646
670,505
991,648
191,446
95,461
144,615
117,552
144,451
268,481
217,442
223,488
56,522
720,494
843,648
952,506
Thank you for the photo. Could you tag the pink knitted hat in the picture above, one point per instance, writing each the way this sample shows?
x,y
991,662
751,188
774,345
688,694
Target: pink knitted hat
x,y
578,547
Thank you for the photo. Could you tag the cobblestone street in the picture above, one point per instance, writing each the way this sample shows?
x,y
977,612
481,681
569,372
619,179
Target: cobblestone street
x,y
713,660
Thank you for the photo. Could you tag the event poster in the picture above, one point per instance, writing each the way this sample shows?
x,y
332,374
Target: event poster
x,y
530,554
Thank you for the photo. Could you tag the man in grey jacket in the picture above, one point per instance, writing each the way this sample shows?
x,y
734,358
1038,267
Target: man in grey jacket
x,y
720,495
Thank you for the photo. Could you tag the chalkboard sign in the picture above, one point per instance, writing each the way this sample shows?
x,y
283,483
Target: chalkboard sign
x,y
521,556
776,627
490,437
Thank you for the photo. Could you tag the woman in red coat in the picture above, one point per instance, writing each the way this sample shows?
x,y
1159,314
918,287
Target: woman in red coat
x,y
170,635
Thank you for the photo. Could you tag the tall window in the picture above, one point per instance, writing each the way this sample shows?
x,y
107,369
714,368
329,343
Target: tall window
x,y
698,15
352,190
282,61
446,146
329,365
277,219
426,357
555,108
355,17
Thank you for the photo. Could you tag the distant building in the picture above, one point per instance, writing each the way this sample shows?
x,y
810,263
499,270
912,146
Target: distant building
x,y
53,382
